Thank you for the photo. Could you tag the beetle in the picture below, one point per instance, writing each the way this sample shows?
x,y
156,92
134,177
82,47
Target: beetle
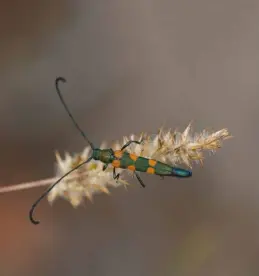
x,y
118,159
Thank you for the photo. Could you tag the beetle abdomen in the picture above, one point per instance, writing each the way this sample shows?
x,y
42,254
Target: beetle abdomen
x,y
133,162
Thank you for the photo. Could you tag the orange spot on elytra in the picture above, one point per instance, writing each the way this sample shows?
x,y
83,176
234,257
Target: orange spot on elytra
x,y
131,168
133,157
151,170
118,154
152,162
116,163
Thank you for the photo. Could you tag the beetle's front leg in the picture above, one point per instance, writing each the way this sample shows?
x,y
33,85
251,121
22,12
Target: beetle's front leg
x,y
115,176
130,142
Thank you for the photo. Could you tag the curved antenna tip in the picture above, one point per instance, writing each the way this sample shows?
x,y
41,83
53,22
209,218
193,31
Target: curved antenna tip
x,y
35,222
60,79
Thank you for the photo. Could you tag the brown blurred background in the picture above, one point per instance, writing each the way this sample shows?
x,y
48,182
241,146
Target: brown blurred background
x,y
131,66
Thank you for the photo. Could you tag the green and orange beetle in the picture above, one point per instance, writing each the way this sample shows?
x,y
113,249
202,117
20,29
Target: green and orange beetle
x,y
118,159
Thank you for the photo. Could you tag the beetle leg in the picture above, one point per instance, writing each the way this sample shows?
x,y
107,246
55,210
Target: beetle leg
x,y
115,176
130,142
140,180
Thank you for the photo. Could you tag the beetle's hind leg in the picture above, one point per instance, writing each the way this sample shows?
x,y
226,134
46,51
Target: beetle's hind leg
x,y
140,180
117,176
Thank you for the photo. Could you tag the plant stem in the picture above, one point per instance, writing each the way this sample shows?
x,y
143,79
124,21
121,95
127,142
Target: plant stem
x,y
27,185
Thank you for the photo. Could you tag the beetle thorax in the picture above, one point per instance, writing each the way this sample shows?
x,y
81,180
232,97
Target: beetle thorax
x,y
103,155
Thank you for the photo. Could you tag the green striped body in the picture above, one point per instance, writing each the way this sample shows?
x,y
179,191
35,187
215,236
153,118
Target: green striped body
x,y
133,162
125,160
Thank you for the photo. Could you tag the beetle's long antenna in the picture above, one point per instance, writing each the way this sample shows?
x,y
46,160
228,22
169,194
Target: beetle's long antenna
x,y
68,111
49,189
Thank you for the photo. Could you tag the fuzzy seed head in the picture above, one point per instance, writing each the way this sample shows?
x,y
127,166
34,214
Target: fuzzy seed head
x,y
175,148
170,147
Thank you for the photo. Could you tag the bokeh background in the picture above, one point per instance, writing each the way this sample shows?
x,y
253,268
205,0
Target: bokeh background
x,y
131,66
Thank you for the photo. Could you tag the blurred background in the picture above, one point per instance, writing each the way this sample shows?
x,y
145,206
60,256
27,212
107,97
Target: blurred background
x,y
131,66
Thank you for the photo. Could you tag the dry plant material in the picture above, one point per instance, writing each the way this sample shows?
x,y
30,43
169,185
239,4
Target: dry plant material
x,y
170,147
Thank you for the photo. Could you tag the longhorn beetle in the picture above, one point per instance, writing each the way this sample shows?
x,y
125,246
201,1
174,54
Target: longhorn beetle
x,y
118,159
